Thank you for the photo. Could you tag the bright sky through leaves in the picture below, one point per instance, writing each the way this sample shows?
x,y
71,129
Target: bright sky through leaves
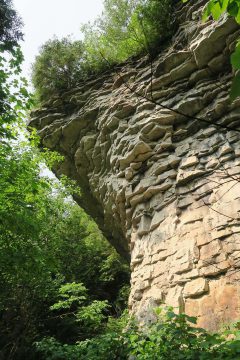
x,y
45,18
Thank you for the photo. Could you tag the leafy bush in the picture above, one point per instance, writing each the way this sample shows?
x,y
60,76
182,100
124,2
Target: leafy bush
x,y
57,66
126,28
171,336
108,346
75,308
99,339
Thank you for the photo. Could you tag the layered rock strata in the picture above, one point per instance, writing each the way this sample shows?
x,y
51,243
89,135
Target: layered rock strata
x,y
161,185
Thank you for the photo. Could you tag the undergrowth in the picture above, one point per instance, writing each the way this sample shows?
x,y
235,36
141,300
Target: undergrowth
x,y
170,336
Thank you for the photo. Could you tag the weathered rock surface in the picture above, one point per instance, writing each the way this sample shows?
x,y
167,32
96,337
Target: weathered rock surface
x,y
164,186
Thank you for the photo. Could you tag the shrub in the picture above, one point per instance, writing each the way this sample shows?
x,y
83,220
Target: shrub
x,y
57,67
127,28
171,336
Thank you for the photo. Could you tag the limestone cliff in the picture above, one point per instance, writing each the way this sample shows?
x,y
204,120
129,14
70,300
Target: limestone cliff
x,y
162,185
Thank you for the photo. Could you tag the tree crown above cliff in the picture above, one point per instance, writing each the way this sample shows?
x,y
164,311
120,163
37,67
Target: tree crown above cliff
x,y
125,28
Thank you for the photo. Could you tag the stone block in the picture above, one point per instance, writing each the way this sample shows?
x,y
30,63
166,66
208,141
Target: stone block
x,y
144,225
215,269
185,176
195,288
210,250
188,162
158,217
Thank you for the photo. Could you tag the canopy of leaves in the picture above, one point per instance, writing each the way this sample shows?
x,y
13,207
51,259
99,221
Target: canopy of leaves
x,y
46,242
14,97
10,25
127,28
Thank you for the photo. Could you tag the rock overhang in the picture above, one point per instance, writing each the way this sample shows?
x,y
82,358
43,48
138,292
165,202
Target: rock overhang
x,y
162,186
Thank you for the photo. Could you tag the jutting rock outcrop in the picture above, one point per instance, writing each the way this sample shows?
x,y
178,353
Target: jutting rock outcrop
x,y
162,186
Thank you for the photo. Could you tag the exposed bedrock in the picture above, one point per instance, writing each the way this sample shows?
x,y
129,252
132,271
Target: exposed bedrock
x,y
162,186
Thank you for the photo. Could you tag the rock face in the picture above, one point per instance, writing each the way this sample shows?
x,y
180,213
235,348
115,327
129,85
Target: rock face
x,y
164,186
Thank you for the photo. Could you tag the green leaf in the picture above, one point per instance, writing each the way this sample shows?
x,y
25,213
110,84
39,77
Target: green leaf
x,y
235,90
235,58
224,4
237,18
215,8
24,92
192,319
216,11
233,8
207,12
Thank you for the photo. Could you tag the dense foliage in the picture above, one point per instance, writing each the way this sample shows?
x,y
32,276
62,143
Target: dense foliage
x,y
62,286
126,28
46,241
10,25
58,66
48,245
170,336
14,97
